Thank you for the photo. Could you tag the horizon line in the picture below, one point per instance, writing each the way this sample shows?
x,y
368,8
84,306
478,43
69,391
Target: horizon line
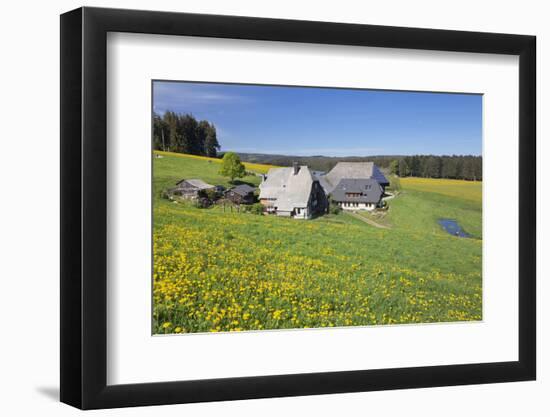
x,y
349,156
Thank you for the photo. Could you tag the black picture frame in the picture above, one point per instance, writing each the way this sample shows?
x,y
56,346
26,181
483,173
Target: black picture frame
x,y
84,207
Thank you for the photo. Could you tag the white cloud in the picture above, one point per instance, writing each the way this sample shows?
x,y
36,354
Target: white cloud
x,y
168,95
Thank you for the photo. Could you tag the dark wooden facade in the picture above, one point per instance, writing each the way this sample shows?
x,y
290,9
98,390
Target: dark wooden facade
x,y
241,194
318,201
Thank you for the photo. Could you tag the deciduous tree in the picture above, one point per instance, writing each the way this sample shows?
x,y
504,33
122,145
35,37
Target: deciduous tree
x,y
232,166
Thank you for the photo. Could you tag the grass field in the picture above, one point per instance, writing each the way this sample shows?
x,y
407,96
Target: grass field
x,y
258,168
466,190
228,271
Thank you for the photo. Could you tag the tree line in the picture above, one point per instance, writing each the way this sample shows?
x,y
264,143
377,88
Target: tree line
x,y
464,167
175,132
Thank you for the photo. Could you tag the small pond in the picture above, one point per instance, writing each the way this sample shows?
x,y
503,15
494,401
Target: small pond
x,y
453,228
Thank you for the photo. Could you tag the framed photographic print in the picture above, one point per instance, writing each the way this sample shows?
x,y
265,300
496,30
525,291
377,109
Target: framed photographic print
x,y
258,207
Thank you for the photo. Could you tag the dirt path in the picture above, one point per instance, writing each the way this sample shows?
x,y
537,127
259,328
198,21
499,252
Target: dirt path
x,y
369,221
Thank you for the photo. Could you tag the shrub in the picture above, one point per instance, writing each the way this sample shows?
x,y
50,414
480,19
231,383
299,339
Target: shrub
x,y
333,207
212,194
395,183
256,208
203,202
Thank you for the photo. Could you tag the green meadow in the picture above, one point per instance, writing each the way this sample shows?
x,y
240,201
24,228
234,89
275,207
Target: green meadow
x,y
218,270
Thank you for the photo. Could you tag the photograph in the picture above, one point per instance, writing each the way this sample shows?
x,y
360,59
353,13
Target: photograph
x,y
302,207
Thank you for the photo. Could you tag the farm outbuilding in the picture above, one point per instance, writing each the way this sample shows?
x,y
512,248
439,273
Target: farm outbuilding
x,y
241,194
191,188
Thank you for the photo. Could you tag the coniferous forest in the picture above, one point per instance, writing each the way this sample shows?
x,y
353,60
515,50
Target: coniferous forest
x,y
183,133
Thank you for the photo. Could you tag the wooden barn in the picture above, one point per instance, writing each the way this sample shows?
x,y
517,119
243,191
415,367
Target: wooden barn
x,y
191,188
241,194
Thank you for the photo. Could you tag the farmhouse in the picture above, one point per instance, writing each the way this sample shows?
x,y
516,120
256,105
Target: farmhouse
x,y
357,194
352,170
355,185
241,194
292,192
191,188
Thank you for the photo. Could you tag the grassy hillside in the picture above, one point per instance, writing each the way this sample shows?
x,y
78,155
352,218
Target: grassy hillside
x,y
433,199
223,271
466,190
259,168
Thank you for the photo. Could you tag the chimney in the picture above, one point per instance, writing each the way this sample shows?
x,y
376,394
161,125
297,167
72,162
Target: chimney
x,y
296,167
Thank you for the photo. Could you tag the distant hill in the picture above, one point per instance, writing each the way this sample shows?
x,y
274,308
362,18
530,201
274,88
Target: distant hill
x,y
464,167
315,162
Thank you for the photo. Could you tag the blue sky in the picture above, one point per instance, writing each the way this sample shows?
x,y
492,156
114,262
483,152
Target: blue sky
x,y
329,121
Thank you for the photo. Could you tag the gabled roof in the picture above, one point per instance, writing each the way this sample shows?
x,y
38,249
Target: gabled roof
x,y
242,189
354,170
327,186
370,190
350,170
289,190
199,184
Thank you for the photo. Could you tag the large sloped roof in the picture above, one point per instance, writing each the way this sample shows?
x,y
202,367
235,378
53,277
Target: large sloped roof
x,y
354,170
242,189
288,189
350,170
370,190
200,184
